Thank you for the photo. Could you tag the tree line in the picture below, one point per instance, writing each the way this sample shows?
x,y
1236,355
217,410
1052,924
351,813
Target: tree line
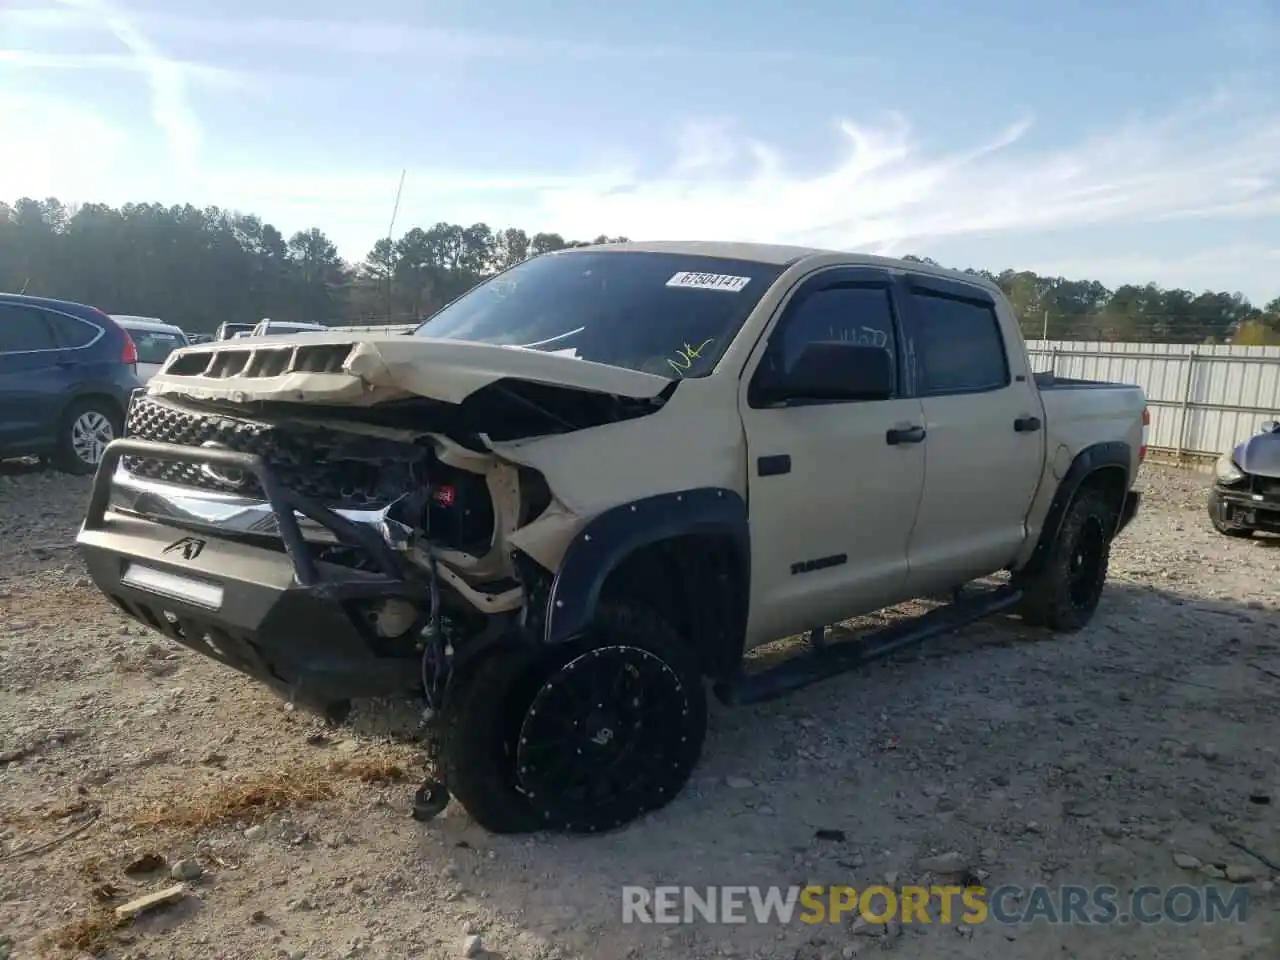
x,y
1088,310
200,267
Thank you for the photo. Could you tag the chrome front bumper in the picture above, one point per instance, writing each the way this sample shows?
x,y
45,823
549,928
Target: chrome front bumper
x,y
230,513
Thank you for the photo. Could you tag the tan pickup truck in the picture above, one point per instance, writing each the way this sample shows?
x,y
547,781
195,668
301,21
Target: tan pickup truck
x,y
591,484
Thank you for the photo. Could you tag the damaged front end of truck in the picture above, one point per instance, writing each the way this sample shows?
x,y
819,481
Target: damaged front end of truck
x,y
345,518
530,511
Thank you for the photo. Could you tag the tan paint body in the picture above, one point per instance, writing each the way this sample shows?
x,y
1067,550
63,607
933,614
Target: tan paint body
x,y
913,519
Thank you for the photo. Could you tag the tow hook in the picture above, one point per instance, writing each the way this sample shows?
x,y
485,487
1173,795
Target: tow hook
x,y
432,796
430,800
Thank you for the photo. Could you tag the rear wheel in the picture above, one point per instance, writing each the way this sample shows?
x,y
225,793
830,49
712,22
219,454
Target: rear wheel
x,y
1064,594
582,739
83,434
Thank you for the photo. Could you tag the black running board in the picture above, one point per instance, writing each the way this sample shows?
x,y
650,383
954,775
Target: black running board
x,y
825,661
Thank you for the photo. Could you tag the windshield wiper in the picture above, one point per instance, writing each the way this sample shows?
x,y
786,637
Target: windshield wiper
x,y
543,343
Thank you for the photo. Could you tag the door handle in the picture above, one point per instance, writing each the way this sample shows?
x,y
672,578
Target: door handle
x,y
904,435
1027,424
774,466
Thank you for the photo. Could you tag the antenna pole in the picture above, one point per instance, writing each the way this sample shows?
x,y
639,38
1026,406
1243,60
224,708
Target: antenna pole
x,y
395,210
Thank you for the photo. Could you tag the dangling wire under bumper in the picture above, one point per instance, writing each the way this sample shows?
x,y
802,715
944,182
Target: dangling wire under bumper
x,y
435,646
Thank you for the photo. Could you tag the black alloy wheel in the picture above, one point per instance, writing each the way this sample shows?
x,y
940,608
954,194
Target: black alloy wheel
x,y
609,736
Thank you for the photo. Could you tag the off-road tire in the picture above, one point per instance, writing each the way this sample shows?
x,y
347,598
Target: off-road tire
x,y
484,717
1242,533
1057,596
474,751
65,456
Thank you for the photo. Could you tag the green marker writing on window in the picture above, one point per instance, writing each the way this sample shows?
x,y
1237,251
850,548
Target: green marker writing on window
x,y
685,356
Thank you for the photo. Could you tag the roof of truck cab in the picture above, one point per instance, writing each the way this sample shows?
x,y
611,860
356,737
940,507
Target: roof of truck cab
x,y
781,255
777,254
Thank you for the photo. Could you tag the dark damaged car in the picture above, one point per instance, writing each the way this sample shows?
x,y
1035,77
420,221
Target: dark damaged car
x,y
1246,492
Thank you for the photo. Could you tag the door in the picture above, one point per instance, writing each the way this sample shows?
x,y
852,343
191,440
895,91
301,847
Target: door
x,y
984,426
33,379
832,500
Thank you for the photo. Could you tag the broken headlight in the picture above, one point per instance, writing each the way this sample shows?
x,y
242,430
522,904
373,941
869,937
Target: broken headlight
x,y
1226,470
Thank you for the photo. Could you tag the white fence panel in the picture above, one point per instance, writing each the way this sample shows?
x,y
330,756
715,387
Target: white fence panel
x,y
1204,398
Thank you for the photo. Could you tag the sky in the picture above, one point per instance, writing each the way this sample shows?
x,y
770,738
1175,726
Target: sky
x,y
1123,142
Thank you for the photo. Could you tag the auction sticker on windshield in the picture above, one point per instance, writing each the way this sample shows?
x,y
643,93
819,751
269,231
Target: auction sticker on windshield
x,y
708,281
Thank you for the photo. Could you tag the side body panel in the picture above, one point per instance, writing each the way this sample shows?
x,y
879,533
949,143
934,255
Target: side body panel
x,y
1077,421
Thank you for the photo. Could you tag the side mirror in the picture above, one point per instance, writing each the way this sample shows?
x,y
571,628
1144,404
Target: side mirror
x,y
836,370
1271,426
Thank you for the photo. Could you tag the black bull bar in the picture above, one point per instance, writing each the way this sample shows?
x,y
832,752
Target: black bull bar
x,y
298,624
285,504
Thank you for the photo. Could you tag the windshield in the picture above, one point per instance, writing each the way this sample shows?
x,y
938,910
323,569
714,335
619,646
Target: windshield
x,y
664,313
154,346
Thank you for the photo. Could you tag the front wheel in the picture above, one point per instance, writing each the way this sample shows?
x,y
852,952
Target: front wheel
x,y
581,739
83,434
1065,592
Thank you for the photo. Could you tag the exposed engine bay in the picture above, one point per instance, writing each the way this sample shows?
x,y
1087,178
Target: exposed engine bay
x,y
429,497
344,470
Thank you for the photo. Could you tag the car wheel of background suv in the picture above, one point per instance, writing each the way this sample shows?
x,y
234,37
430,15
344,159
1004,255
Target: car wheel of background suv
x,y
86,428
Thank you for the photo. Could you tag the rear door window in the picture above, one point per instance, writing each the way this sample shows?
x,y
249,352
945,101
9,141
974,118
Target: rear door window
x,y
23,330
958,345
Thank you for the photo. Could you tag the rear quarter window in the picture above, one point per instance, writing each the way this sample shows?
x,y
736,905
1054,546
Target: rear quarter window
x,y
71,331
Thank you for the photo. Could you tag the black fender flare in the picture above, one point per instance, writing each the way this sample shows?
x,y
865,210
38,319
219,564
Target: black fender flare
x,y
609,538
1087,462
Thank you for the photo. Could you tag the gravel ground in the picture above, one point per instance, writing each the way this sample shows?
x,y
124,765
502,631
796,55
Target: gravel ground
x,y
1110,757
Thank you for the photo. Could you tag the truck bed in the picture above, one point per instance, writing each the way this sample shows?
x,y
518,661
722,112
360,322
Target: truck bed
x,y
1081,413
1050,381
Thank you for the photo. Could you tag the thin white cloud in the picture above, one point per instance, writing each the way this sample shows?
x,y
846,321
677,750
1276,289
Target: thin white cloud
x,y
166,80
388,39
122,62
888,190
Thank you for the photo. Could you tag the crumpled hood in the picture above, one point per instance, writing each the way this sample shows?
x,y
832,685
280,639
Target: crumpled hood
x,y
364,368
1259,455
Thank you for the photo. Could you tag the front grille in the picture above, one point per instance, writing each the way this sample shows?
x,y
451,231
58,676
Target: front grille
x,y
340,470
